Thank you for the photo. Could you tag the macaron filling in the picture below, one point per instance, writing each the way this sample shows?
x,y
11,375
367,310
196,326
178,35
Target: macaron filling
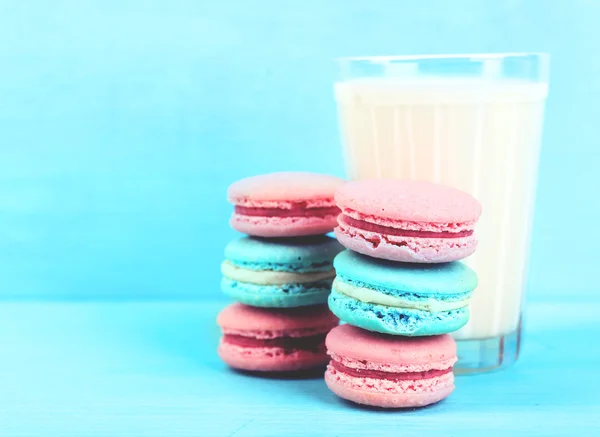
x,y
276,276
399,299
319,287
299,209
401,229
290,345
390,376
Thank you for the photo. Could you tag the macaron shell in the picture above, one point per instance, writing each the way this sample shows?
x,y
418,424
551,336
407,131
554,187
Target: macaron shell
x,y
347,389
277,296
396,321
284,186
406,249
351,342
246,318
270,359
272,254
282,226
440,279
408,200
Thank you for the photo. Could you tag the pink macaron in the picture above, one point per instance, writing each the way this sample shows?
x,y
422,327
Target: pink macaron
x,y
389,371
287,204
407,221
275,340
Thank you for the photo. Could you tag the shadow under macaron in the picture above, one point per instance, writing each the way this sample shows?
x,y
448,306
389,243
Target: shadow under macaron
x,y
362,407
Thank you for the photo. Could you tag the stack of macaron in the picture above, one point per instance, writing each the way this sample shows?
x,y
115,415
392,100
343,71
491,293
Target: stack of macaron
x,y
401,290
281,273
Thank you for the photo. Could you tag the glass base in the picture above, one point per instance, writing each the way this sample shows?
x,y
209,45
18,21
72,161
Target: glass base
x,y
488,354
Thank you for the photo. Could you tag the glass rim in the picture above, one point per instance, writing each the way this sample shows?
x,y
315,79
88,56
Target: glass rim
x,y
544,57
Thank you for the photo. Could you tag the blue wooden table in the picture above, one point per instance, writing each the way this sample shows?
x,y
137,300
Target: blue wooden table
x,y
150,369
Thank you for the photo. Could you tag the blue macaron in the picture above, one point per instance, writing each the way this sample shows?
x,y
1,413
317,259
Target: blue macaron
x,y
401,298
279,273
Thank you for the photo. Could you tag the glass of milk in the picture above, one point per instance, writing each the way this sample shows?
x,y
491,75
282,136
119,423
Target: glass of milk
x,y
473,122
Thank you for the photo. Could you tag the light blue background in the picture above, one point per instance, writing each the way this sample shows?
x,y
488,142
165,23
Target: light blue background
x,y
123,122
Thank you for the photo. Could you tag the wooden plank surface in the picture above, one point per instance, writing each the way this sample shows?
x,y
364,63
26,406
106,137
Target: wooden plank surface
x,y
150,369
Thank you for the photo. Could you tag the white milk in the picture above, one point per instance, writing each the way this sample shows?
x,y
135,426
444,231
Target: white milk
x,y
480,136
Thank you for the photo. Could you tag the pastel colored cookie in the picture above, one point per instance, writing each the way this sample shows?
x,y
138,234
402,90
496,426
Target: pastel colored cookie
x,y
401,298
283,272
287,204
267,339
387,371
407,221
